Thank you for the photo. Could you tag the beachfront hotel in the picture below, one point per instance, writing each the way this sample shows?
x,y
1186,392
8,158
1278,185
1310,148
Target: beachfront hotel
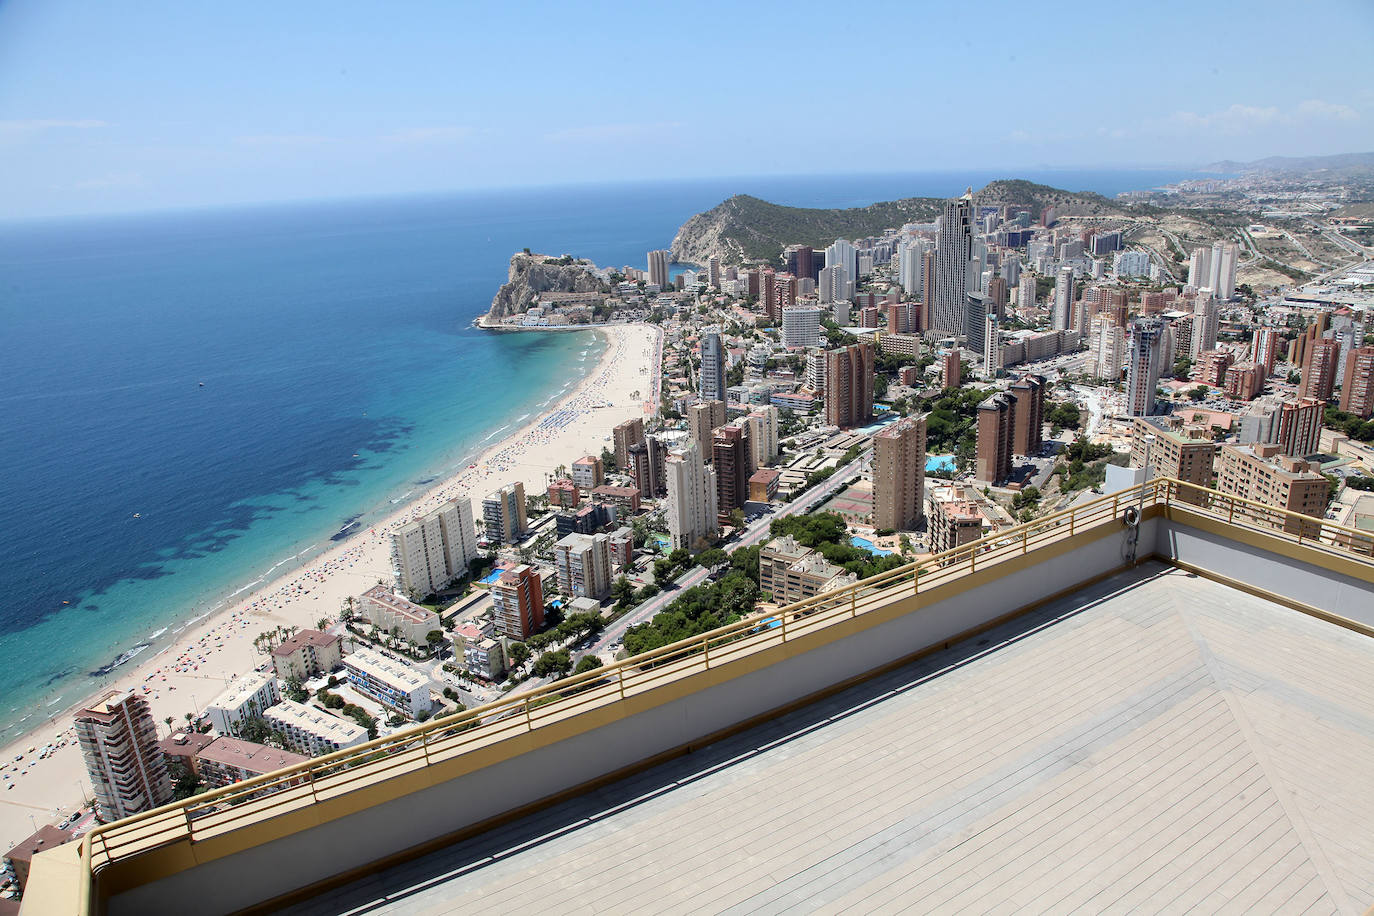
x,y
307,654
394,684
431,551
245,698
118,739
312,731
503,513
390,612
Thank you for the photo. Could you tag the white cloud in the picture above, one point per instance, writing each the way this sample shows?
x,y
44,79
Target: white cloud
x,y
1316,109
25,128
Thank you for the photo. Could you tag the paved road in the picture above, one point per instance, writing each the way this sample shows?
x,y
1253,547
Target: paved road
x,y
753,534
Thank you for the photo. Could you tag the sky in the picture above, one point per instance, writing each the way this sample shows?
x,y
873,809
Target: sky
x,y
142,105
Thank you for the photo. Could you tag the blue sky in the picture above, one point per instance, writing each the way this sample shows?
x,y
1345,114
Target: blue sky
x,y
147,105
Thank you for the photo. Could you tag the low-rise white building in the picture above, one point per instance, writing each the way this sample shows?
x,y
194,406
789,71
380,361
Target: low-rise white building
x,y
392,683
247,697
389,611
311,731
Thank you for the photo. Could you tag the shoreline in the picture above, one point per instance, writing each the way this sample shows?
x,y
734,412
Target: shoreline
x,y
214,646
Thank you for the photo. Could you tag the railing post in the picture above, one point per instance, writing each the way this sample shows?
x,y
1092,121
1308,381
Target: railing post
x,y
916,581
620,679
853,602
783,615
1072,516
972,557
706,648
313,794
1025,540
1230,512
529,723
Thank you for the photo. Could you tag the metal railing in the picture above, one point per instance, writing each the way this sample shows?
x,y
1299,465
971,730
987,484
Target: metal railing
x,y
334,775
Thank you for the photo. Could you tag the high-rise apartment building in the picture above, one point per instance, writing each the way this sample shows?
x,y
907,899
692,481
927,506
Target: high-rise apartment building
x,y
1144,360
992,347
899,469
712,379
1244,381
692,511
1319,370
732,459
587,473
953,251
849,385
996,428
658,268
1263,474
1175,451
842,253
1265,349
1357,390
646,466
801,326
118,739
703,419
503,513
1028,420
1025,291
517,597
1212,366
763,434
1205,319
1294,426
713,275
976,312
952,368
431,551
1061,312
583,562
1108,348
625,435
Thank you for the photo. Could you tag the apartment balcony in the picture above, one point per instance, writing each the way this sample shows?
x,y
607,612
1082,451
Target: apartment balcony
x,y
1100,710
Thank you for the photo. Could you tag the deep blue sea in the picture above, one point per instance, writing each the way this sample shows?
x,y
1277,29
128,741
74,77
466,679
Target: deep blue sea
x,y
340,374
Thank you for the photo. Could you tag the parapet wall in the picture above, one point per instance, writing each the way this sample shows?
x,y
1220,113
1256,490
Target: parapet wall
x,y
266,865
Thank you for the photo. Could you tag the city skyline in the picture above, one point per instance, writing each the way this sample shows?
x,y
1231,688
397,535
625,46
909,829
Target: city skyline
x,y
168,107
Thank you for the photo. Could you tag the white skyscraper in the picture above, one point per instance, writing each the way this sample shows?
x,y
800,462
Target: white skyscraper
x,y
953,250
1204,323
712,387
1025,294
912,259
842,253
1061,316
1143,365
801,326
436,548
691,497
1108,347
992,348
1200,268
1224,269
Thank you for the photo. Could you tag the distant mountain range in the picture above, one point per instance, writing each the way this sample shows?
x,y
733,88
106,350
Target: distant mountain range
x,y
746,228
1343,164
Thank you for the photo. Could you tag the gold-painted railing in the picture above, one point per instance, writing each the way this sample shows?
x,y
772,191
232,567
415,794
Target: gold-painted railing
x,y
333,775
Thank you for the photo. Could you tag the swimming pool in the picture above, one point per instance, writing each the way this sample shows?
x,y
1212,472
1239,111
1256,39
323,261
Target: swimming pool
x,y
492,576
868,545
943,463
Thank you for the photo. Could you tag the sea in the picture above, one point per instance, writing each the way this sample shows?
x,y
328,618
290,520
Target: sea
x,y
193,402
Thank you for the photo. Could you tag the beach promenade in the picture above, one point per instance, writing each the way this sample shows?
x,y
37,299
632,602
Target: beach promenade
x,y
190,672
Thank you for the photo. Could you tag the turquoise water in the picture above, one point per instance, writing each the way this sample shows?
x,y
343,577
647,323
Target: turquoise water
x,y
868,545
943,463
492,576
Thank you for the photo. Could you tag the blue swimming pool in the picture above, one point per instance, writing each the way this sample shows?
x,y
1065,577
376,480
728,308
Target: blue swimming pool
x,y
492,576
868,545
942,463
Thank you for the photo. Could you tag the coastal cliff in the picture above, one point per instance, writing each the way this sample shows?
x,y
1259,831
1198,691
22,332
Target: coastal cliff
x,y
532,274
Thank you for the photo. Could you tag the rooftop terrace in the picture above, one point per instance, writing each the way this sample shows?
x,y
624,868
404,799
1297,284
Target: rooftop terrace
x,y
1157,741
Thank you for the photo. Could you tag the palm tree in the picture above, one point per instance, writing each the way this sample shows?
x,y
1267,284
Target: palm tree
x,y
168,720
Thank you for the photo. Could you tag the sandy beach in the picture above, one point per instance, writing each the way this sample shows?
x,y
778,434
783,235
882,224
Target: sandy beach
x,y
190,672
